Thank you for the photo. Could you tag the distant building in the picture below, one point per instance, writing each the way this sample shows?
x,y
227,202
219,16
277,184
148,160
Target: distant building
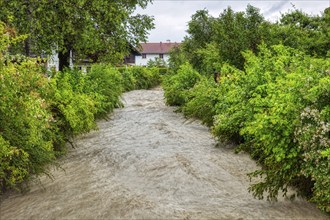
x,y
138,56
130,59
151,51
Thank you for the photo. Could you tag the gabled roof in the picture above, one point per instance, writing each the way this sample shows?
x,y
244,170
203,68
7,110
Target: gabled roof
x,y
157,48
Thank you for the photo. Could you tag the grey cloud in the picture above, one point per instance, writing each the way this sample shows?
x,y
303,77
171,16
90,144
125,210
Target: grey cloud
x,y
171,17
275,8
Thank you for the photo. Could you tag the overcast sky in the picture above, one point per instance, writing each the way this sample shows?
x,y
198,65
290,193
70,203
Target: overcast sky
x,y
171,17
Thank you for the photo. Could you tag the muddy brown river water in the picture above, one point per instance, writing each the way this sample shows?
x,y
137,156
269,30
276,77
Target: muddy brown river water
x,y
148,162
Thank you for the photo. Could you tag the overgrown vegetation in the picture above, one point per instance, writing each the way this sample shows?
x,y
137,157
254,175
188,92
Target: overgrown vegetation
x,y
40,114
273,96
178,84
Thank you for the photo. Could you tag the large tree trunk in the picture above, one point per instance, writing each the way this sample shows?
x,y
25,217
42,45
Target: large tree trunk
x,y
64,59
27,47
27,42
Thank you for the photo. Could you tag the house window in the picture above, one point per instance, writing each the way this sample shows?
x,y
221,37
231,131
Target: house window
x,y
144,56
161,56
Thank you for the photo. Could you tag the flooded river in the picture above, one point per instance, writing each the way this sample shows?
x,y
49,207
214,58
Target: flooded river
x,y
148,162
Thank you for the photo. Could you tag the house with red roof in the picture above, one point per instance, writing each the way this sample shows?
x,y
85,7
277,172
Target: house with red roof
x,y
153,51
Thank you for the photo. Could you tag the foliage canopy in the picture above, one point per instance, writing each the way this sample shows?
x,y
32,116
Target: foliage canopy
x,y
99,29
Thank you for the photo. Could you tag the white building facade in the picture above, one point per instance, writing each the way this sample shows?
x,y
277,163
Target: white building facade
x,y
53,62
153,51
142,60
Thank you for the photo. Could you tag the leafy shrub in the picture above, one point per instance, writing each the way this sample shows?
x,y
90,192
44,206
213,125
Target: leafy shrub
x,y
122,69
232,110
202,99
271,132
129,81
145,77
14,165
105,83
25,119
312,135
25,140
314,141
243,94
209,59
155,73
73,110
163,71
137,77
176,59
263,104
176,86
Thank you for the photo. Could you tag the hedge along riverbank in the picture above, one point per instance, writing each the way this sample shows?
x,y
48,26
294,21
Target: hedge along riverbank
x,y
277,108
40,114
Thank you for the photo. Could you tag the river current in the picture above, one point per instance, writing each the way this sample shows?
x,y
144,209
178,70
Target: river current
x,y
148,162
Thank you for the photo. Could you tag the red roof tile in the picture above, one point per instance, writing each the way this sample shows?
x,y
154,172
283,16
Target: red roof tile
x,y
157,48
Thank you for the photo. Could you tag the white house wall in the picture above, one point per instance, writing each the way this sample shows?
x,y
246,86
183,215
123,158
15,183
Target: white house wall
x,y
53,62
139,61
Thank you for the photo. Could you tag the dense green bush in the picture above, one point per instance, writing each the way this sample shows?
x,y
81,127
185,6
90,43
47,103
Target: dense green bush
x,y
25,141
105,84
232,110
14,165
312,135
163,70
202,99
147,77
129,81
156,78
277,105
24,118
177,86
72,109
138,77
263,104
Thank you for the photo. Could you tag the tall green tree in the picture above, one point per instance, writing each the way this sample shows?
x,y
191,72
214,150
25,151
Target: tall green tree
x,y
222,39
309,33
238,31
100,29
200,30
176,59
